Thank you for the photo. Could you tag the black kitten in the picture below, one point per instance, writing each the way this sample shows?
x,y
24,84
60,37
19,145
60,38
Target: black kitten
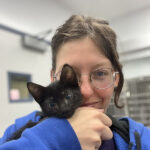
x,y
59,99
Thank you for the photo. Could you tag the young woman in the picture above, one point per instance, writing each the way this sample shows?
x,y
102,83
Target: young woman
x,y
89,46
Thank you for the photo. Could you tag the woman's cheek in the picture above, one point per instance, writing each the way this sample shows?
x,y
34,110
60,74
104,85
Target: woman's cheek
x,y
105,94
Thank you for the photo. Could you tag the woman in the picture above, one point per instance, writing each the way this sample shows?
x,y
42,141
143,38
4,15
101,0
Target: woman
x,y
89,46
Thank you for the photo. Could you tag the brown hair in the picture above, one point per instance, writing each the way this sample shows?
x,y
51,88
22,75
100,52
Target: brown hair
x,y
99,31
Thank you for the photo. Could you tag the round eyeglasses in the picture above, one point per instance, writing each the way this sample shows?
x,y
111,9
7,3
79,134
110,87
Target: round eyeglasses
x,y
99,78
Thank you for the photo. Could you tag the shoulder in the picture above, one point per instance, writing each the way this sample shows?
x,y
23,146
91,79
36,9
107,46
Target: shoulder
x,y
129,133
136,126
33,116
138,133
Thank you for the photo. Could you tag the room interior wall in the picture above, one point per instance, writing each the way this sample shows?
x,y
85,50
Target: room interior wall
x,y
15,58
131,27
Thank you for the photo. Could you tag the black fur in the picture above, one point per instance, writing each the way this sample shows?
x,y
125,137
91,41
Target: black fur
x,y
59,99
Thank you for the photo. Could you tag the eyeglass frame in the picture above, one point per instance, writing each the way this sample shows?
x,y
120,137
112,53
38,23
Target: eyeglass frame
x,y
112,71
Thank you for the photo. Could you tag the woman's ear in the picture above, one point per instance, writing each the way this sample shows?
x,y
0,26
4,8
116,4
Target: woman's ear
x,y
116,79
52,75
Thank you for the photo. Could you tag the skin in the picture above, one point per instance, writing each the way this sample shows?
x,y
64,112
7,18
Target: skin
x,y
89,122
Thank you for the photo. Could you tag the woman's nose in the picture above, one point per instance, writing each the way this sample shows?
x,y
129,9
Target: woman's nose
x,y
86,87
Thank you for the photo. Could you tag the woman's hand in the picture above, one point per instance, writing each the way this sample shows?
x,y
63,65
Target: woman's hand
x,y
91,127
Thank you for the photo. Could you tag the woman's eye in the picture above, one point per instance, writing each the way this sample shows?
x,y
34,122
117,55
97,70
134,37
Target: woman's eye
x,y
99,74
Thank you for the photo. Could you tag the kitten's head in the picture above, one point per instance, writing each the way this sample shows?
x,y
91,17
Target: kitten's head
x,y
60,98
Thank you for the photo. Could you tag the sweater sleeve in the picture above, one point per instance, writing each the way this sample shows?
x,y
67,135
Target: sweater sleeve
x,y
50,134
139,134
20,122
145,144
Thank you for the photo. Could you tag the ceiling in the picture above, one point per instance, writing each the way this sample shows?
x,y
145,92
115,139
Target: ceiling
x,y
34,16
105,8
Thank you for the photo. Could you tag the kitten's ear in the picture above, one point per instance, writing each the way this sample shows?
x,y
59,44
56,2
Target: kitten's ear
x,y
36,91
68,75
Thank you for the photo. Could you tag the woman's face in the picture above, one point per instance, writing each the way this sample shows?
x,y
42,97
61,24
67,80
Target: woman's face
x,y
85,57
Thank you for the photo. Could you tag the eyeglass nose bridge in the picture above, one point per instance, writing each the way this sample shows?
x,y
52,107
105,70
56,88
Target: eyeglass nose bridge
x,y
84,74
81,75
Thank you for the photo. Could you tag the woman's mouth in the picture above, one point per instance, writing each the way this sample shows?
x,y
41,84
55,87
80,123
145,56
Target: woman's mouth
x,y
92,104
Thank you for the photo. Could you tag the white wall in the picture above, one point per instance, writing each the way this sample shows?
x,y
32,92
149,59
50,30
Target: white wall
x,y
15,58
133,25
137,68
129,28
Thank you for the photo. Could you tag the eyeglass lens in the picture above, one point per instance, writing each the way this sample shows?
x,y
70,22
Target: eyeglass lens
x,y
100,78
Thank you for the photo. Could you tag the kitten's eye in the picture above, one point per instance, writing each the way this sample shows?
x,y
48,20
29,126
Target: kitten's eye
x,y
52,104
68,96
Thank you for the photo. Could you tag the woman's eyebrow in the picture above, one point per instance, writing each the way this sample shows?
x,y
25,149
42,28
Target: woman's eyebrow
x,y
102,65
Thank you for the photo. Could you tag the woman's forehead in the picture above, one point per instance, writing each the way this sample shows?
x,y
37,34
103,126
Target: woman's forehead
x,y
81,53
79,48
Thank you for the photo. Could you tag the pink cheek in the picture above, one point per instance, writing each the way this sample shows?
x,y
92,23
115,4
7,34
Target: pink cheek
x,y
104,94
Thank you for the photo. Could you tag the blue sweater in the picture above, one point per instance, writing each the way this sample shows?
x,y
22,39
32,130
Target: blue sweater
x,y
57,134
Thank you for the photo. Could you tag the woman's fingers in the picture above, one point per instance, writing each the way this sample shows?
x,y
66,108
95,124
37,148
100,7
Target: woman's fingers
x,y
91,127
